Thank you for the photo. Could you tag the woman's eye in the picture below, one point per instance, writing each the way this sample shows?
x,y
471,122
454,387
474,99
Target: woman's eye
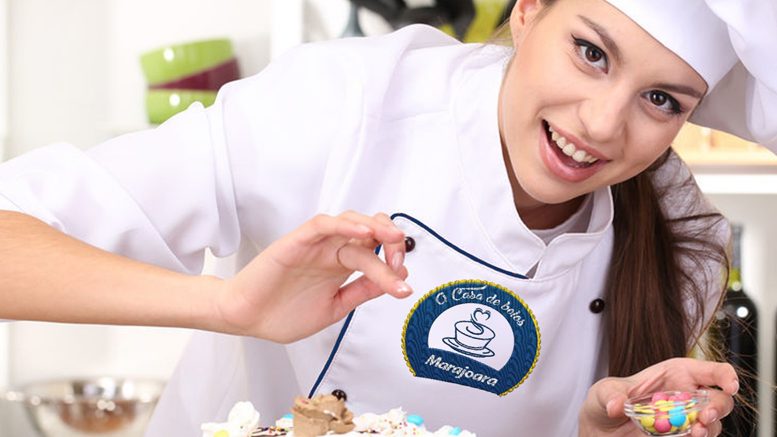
x,y
591,54
663,101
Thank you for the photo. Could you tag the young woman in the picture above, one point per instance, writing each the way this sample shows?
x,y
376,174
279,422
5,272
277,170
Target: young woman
x,y
551,254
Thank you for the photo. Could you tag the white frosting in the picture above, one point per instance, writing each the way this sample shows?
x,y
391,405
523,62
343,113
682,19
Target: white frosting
x,y
382,423
285,422
242,420
394,424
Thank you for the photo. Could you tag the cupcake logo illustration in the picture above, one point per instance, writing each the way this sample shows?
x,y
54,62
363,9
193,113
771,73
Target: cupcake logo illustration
x,y
473,333
472,336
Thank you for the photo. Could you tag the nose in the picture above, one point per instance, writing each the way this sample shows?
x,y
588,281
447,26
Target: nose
x,y
604,114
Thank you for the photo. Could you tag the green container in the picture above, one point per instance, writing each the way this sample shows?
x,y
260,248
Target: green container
x,y
180,60
162,104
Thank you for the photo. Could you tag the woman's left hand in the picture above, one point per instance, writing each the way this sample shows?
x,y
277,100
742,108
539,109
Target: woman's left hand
x,y
602,413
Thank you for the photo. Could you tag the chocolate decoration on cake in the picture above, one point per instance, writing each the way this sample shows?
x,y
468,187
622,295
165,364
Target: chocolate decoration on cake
x,y
320,415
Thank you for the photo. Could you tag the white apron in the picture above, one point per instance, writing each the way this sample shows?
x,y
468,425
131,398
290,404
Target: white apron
x,y
475,346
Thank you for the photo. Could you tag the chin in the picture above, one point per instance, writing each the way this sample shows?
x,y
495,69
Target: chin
x,y
548,192
555,198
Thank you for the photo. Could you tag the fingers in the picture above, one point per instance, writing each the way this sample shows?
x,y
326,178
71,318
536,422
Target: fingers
x,y
359,258
705,373
383,230
346,226
650,384
610,396
603,407
369,232
358,292
352,239
327,231
721,404
701,373
394,251
713,429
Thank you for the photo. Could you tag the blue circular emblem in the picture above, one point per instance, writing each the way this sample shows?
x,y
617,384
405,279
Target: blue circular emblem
x,y
473,333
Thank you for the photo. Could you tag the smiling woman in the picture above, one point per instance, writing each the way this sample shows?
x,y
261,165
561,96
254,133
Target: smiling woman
x,y
522,206
608,99
616,100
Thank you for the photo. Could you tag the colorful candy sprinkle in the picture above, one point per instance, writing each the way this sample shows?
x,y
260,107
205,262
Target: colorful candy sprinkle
x,y
666,413
415,419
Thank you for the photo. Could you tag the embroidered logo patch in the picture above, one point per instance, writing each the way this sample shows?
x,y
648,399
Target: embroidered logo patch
x,y
473,333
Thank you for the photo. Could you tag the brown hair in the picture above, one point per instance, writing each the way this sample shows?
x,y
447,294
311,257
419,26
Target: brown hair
x,y
660,274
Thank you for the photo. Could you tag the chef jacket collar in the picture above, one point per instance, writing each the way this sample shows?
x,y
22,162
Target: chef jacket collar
x,y
475,109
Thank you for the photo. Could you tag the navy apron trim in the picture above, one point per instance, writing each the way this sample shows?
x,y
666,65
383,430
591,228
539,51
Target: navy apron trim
x,y
458,249
335,347
377,250
331,354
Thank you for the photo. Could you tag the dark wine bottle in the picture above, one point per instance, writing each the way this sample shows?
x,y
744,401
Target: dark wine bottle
x,y
353,27
738,328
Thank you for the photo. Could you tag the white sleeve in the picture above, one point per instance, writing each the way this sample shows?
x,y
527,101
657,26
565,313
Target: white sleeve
x,y
160,196
250,166
292,135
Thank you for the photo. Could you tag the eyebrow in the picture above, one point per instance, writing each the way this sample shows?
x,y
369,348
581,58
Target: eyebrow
x,y
616,53
683,89
604,36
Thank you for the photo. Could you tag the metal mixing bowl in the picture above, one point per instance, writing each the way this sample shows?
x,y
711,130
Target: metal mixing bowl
x,y
109,407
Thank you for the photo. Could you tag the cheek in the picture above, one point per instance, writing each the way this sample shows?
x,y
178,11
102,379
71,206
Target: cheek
x,y
645,153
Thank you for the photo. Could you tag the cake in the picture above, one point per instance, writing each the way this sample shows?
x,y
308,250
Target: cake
x,y
325,415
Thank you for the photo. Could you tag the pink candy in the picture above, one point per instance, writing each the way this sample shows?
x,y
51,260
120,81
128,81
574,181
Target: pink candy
x,y
667,413
663,425
660,396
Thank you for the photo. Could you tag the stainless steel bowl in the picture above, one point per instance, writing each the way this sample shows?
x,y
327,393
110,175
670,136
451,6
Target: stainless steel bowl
x,y
109,407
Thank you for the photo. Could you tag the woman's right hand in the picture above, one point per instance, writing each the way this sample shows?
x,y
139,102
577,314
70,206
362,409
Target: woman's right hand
x,y
295,287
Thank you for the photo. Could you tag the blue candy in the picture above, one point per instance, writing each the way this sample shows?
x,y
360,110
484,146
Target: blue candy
x,y
677,416
455,431
415,419
287,416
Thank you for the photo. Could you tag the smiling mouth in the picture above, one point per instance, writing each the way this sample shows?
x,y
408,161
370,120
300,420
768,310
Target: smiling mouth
x,y
569,155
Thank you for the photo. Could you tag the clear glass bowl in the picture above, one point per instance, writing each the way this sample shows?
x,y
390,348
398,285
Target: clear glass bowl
x,y
666,413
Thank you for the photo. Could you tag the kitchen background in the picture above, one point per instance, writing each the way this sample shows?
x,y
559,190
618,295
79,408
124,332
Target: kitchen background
x,y
69,72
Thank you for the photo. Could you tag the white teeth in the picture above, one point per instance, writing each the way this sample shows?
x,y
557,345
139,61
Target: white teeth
x,y
579,156
569,148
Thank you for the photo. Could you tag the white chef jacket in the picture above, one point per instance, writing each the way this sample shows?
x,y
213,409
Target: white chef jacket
x,y
404,124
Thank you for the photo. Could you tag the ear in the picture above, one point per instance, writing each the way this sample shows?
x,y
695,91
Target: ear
x,y
523,14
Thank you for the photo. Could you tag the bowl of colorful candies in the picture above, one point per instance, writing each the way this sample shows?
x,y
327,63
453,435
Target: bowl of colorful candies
x,y
666,413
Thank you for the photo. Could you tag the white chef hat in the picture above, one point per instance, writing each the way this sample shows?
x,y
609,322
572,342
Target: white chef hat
x,y
732,44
